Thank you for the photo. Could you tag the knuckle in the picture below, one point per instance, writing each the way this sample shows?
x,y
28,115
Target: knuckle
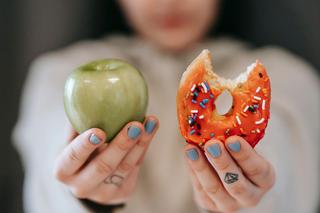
x,y
244,157
212,189
123,146
223,165
125,167
103,168
257,170
73,154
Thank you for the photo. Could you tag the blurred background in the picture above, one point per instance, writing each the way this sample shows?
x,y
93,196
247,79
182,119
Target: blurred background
x,y
31,27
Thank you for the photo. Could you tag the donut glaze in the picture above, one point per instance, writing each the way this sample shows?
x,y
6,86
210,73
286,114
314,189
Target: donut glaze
x,y
199,88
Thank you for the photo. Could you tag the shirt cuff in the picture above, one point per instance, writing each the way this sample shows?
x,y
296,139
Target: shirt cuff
x,y
99,208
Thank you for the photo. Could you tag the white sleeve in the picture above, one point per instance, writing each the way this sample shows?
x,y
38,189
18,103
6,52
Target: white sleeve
x,y
300,87
40,135
292,138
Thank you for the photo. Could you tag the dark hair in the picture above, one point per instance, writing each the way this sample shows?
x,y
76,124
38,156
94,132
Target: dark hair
x,y
111,18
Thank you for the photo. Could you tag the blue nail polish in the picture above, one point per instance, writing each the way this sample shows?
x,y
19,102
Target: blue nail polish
x,y
94,139
134,132
192,154
235,146
214,150
149,126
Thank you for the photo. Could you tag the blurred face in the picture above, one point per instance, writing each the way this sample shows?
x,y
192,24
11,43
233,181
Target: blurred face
x,y
171,24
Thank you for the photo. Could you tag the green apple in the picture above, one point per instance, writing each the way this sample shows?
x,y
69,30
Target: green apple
x,y
105,94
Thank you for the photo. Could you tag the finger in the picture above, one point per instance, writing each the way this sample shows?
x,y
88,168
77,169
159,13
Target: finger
x,y
254,166
231,175
77,152
105,163
131,160
200,196
150,130
208,179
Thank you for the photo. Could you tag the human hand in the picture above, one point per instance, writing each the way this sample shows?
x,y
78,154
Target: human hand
x,y
101,172
228,177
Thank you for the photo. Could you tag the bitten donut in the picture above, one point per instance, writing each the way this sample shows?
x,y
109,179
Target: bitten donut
x,y
199,88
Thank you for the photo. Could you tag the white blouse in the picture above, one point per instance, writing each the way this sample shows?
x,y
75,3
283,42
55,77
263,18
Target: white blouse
x,y
291,142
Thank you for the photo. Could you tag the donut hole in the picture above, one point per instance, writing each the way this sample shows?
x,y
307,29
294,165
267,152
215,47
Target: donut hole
x,y
224,103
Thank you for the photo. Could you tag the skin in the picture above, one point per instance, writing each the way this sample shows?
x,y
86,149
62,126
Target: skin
x,y
86,168
255,176
173,25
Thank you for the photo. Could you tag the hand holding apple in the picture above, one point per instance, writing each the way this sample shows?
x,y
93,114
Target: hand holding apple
x,y
105,173
105,100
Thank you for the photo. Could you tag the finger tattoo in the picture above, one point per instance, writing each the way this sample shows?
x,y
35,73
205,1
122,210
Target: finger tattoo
x,y
231,177
114,179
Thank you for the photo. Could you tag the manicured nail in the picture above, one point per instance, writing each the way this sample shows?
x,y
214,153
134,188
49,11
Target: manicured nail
x,y
134,132
94,139
235,146
149,126
214,150
192,154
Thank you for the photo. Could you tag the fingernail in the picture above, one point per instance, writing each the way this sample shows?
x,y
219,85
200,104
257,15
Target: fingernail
x,y
94,139
235,146
149,126
214,150
192,154
134,132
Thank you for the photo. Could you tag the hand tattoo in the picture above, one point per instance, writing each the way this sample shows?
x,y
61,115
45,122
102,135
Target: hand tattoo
x,y
114,179
231,178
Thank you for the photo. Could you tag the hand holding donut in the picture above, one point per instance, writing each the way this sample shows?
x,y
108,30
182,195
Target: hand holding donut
x,y
227,174
228,177
101,172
